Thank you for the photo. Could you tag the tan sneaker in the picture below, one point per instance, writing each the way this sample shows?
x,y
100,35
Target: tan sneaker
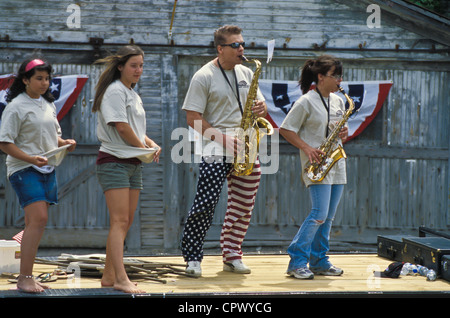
x,y
236,266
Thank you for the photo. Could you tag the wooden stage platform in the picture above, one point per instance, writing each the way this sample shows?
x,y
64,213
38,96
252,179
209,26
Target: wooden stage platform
x,y
268,279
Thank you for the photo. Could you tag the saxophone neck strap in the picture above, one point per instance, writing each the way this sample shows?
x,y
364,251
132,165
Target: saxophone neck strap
x,y
327,107
236,94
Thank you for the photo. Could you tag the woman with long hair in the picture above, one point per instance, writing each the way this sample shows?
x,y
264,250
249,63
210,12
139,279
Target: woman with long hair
x,y
307,124
121,130
29,128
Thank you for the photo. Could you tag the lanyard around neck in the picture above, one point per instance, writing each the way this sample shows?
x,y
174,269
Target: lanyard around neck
x,y
236,94
327,108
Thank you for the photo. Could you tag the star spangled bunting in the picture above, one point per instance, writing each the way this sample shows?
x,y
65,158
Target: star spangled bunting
x,y
368,97
18,237
65,89
5,82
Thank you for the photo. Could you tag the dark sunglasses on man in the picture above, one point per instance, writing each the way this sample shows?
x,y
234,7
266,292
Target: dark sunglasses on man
x,y
235,45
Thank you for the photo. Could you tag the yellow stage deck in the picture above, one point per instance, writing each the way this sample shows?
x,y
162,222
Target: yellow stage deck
x,y
268,277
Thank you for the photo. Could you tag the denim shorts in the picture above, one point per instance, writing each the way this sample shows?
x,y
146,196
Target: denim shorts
x,y
33,186
114,175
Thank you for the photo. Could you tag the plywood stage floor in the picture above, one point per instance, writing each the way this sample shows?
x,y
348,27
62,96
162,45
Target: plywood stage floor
x,y
268,278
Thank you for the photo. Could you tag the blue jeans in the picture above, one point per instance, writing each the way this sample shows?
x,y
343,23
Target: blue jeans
x,y
310,244
32,186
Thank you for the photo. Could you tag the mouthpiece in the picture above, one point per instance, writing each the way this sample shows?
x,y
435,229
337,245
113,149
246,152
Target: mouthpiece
x,y
244,58
341,89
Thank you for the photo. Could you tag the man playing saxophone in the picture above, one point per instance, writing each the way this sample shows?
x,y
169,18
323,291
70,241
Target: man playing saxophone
x,y
306,126
213,106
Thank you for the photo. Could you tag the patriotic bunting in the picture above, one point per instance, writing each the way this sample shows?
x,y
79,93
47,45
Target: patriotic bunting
x,y
18,237
65,89
368,97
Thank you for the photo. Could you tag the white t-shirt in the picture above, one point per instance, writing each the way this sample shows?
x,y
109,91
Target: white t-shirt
x,y
120,104
308,118
210,94
32,126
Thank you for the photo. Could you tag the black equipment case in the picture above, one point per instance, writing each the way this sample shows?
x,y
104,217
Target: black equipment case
x,y
445,267
426,251
391,246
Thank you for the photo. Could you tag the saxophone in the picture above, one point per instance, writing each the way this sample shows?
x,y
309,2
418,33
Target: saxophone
x,y
252,129
317,171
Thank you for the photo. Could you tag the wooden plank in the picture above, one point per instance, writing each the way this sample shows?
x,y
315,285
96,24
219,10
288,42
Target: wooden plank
x,y
69,186
268,276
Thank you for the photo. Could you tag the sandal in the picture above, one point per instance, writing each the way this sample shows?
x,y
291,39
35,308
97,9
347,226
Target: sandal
x,y
12,277
61,274
45,278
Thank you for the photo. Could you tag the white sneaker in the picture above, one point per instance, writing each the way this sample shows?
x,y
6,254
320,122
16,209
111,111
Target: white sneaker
x,y
193,268
301,273
236,266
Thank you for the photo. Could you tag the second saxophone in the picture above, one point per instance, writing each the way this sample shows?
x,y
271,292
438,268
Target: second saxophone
x,y
317,171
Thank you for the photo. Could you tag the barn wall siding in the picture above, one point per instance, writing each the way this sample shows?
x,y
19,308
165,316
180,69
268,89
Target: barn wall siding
x,y
398,175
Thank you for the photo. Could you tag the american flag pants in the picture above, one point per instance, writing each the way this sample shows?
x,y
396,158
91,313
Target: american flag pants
x,y
241,200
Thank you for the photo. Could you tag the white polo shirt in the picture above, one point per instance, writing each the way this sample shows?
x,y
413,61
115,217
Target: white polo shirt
x,y
30,124
308,118
120,104
210,95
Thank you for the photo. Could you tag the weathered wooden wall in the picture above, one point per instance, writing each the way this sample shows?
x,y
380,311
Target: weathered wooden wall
x,y
398,169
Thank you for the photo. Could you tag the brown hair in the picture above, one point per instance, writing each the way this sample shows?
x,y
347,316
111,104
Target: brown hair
x,y
112,73
321,65
226,30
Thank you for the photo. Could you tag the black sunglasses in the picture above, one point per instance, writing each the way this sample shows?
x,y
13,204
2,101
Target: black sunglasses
x,y
234,45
